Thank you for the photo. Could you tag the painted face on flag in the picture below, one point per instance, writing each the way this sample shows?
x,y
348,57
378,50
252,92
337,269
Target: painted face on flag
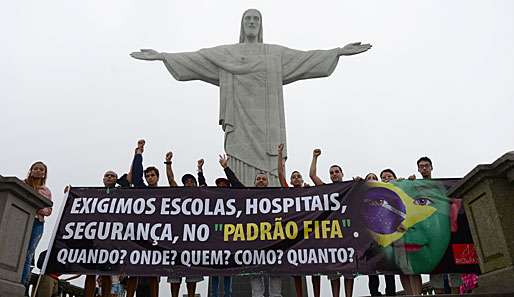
x,y
410,220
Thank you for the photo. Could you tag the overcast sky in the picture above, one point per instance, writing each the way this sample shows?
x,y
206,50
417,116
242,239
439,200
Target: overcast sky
x,y
439,81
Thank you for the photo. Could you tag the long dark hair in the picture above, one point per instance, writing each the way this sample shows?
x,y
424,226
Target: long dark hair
x,y
388,170
31,181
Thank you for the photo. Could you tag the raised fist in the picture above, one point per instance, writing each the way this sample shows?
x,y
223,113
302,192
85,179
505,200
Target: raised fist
x,y
140,146
169,155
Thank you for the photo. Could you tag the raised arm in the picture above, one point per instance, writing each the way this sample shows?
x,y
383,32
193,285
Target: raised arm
x,y
231,176
281,166
140,145
169,170
137,165
312,172
201,177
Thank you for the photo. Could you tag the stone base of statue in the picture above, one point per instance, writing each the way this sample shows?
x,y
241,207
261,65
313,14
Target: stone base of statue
x,y
488,196
18,204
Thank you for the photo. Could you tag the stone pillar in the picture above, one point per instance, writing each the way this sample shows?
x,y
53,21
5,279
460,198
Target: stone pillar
x,y
18,204
488,197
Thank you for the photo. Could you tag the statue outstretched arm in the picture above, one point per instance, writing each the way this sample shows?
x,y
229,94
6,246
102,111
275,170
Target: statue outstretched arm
x,y
298,65
354,49
147,54
184,66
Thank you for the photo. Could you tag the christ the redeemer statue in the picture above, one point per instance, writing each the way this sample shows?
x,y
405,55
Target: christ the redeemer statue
x,y
250,75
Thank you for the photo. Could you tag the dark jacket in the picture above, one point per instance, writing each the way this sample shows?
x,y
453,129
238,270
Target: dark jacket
x,y
137,171
232,178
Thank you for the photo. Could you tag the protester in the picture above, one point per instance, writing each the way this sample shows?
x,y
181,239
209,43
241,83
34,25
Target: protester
x,y
257,282
201,177
297,182
336,176
411,283
110,285
144,286
110,179
169,170
48,284
36,179
370,177
437,281
117,287
335,171
222,182
373,279
231,176
188,180
227,280
425,167
387,175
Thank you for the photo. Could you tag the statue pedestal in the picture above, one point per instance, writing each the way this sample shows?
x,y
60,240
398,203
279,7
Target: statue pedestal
x,y
488,197
18,204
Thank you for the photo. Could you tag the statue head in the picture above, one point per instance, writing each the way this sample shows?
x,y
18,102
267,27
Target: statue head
x,y
251,26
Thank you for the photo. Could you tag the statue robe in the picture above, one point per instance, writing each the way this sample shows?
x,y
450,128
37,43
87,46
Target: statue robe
x,y
250,77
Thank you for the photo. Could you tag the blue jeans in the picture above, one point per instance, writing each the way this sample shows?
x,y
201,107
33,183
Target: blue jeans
x,y
118,289
227,286
35,236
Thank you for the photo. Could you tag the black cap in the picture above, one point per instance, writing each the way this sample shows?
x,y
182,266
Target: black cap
x,y
188,176
221,180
